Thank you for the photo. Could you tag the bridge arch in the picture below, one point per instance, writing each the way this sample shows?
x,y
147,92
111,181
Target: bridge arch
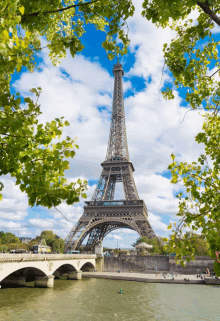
x,y
63,269
87,267
27,271
67,265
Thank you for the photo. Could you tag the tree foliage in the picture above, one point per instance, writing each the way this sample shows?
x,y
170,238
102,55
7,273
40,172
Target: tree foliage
x,y
193,59
192,244
199,203
48,238
9,241
28,151
7,238
188,60
158,245
200,244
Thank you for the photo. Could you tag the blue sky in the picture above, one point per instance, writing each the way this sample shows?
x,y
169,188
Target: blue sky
x,y
80,89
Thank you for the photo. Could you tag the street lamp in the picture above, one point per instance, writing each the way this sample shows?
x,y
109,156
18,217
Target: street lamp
x,y
17,240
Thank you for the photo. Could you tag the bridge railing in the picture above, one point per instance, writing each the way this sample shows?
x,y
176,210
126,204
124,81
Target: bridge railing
x,y
42,257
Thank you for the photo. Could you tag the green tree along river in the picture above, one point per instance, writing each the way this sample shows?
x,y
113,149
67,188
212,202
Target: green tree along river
x,y
95,299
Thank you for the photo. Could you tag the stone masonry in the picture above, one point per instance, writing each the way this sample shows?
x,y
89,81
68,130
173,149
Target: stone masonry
x,y
163,263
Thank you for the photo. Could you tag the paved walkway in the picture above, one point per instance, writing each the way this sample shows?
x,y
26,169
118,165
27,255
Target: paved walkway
x,y
148,278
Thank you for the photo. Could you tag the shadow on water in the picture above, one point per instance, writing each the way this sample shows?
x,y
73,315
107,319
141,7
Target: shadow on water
x,y
12,296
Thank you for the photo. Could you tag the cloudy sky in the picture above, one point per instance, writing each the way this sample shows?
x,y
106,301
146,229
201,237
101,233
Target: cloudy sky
x,y
80,89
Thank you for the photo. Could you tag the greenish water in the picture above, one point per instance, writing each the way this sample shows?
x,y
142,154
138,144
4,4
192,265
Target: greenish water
x,y
96,299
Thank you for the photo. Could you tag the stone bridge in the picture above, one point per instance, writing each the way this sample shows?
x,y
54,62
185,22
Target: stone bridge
x,y
17,269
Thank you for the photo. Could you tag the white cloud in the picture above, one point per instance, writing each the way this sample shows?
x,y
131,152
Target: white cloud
x,y
156,223
121,245
114,236
10,225
14,227
158,193
127,232
42,223
14,205
147,43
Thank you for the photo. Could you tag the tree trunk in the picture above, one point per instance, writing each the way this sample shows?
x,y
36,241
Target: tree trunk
x,y
205,7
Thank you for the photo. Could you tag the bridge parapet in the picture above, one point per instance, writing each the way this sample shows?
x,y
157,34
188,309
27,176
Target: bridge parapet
x,y
43,257
14,267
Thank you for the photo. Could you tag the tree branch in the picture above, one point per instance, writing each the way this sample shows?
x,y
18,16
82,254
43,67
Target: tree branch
x,y
204,179
61,213
14,135
35,14
161,77
180,223
213,73
195,109
206,8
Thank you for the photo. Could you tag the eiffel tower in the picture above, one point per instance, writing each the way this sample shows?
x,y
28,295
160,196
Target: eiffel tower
x,y
103,214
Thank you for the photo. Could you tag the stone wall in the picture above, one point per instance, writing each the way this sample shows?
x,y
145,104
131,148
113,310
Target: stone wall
x,y
136,263
163,263
113,264
200,265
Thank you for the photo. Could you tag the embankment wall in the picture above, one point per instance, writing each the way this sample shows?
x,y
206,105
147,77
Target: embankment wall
x,y
144,264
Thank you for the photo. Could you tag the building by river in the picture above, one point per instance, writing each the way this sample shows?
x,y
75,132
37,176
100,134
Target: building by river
x,y
41,248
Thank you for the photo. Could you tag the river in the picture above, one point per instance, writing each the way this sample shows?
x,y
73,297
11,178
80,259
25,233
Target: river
x,y
97,299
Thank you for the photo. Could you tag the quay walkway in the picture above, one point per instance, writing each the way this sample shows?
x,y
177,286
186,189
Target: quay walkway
x,y
153,278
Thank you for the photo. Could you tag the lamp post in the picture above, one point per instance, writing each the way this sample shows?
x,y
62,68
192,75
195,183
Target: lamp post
x,y
17,240
10,243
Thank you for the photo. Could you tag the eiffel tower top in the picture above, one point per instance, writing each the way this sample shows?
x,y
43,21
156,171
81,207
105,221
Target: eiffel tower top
x,y
117,145
117,67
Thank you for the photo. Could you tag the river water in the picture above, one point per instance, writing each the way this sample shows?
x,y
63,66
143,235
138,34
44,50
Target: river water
x,y
97,299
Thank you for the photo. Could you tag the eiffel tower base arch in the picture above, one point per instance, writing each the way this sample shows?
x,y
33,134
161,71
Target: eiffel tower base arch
x,y
98,221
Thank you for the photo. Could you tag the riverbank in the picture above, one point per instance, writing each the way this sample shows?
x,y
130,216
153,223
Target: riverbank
x,y
152,278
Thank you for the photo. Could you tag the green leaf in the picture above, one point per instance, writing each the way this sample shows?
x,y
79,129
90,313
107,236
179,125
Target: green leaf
x,y
173,156
21,9
183,263
5,35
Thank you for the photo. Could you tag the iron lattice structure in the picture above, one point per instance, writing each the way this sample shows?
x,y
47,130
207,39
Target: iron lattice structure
x,y
103,214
